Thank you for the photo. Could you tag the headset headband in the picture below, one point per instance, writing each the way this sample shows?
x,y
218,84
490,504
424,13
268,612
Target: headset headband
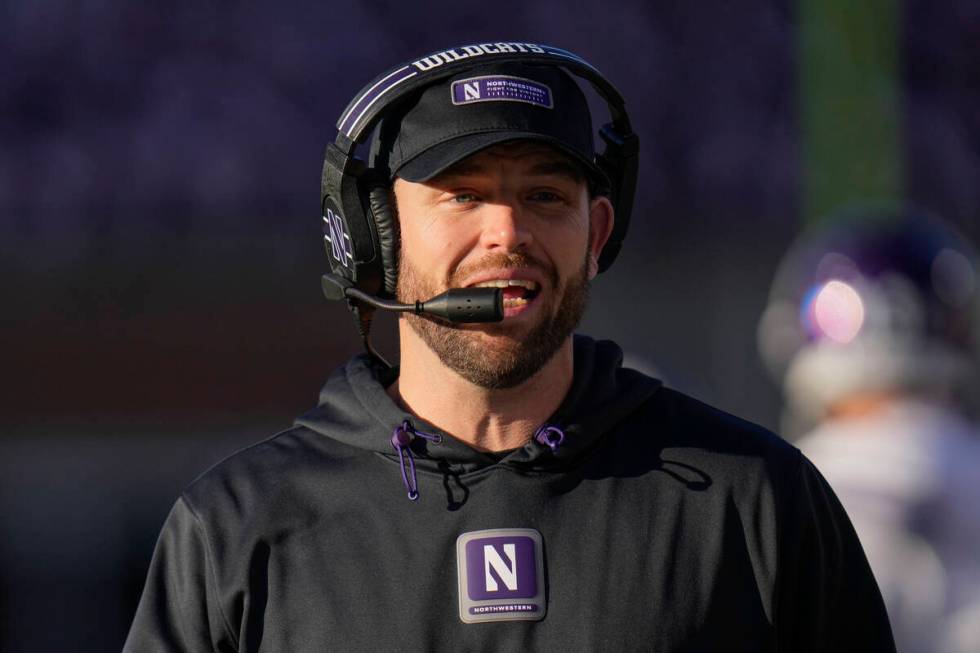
x,y
362,112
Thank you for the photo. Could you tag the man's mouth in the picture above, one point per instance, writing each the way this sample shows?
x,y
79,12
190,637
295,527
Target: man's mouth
x,y
517,292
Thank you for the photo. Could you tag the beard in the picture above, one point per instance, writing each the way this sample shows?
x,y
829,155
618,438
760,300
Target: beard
x,y
505,359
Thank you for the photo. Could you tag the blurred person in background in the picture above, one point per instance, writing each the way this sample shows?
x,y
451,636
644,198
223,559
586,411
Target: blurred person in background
x,y
871,329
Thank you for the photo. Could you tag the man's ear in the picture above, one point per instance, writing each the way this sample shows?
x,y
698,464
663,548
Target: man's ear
x,y
601,221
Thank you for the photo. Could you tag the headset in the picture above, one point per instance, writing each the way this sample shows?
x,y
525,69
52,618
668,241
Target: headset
x,y
360,230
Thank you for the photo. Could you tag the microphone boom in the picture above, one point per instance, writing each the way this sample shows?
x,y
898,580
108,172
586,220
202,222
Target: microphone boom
x,y
457,305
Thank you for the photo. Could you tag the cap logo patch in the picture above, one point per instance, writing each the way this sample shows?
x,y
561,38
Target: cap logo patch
x,y
501,88
501,575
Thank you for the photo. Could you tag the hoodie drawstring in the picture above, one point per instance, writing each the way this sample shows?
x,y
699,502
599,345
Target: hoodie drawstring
x,y
401,440
550,435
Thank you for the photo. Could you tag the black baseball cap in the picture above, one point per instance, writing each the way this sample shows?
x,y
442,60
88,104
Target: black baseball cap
x,y
484,106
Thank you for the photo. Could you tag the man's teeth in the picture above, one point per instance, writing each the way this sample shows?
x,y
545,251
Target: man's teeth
x,y
510,302
503,283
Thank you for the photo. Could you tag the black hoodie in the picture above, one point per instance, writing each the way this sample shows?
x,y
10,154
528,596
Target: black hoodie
x,y
661,525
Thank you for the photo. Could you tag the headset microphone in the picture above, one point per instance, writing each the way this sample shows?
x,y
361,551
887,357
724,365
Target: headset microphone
x,y
457,305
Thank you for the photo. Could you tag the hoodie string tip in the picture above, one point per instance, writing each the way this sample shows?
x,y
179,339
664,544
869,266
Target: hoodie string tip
x,y
401,440
551,436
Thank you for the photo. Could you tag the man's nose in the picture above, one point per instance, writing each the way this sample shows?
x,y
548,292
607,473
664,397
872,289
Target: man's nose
x,y
504,228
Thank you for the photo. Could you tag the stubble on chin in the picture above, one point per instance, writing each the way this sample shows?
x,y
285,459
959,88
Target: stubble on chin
x,y
493,356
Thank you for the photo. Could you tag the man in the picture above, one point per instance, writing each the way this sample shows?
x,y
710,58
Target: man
x,y
556,501
872,331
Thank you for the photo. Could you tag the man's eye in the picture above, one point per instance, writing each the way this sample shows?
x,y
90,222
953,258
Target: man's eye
x,y
545,196
464,198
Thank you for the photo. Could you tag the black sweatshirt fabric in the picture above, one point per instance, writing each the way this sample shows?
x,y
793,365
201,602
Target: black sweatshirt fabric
x,y
666,525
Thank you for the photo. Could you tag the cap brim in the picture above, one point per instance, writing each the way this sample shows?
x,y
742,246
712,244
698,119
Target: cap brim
x,y
439,158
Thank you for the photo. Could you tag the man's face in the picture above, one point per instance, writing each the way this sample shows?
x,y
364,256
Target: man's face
x,y
516,216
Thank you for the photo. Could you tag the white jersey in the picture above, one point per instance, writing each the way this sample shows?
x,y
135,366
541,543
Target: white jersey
x,y
909,477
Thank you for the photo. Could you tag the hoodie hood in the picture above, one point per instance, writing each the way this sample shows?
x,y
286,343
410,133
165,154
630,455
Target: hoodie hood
x,y
355,409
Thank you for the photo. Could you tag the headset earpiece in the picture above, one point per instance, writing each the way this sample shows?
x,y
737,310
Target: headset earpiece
x,y
620,162
349,230
378,190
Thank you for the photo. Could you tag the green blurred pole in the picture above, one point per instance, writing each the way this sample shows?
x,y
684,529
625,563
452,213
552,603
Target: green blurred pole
x,y
849,96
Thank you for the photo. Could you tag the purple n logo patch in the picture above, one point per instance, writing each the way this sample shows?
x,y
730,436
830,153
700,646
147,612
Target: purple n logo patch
x,y
502,88
501,575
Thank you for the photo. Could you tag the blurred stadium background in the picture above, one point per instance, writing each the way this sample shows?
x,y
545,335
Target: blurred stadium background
x,y
159,229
